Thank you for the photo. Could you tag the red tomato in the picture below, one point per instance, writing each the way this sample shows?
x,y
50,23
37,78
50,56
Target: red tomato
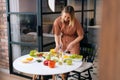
x,y
46,62
39,55
51,63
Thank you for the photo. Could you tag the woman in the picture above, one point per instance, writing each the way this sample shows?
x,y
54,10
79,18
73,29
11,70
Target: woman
x,y
68,31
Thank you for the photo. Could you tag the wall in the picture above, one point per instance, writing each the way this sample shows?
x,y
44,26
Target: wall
x,y
109,55
3,36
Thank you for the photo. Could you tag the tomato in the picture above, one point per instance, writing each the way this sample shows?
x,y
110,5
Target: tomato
x,y
39,55
46,62
51,63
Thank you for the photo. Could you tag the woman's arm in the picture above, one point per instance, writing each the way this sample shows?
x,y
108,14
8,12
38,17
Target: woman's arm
x,y
80,34
77,40
57,33
57,42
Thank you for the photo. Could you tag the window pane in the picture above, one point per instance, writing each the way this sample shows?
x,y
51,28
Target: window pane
x,y
78,16
23,28
88,4
77,4
22,5
49,18
48,21
18,50
45,6
57,5
88,18
27,49
47,48
48,38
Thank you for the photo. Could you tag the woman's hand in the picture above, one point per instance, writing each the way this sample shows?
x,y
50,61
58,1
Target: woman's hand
x,y
70,46
56,49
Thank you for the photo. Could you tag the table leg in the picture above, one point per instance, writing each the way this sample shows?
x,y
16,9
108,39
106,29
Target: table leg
x,y
34,77
54,77
41,78
64,76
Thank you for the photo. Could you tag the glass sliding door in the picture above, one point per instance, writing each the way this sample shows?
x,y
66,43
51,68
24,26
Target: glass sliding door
x,y
22,28
28,29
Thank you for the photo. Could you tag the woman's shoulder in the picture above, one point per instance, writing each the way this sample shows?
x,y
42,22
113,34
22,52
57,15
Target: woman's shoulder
x,y
76,20
58,20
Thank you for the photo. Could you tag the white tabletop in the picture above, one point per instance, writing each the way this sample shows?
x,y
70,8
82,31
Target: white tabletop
x,y
40,69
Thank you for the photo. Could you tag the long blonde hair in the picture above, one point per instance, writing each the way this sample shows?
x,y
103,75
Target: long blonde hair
x,y
70,10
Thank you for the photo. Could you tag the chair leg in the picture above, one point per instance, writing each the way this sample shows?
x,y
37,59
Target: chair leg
x,y
79,76
67,75
90,78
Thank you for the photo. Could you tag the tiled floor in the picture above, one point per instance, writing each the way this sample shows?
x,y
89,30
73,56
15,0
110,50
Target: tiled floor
x,y
6,76
93,72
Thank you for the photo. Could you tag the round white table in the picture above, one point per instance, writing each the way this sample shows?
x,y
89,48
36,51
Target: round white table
x,y
36,68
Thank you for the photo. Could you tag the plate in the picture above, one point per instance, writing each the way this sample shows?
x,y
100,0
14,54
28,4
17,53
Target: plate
x,y
77,59
28,59
55,58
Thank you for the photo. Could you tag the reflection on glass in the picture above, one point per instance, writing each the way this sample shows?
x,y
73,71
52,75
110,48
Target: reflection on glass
x,y
28,23
78,16
58,5
88,4
49,19
22,5
88,18
19,50
77,4
47,28
45,7
23,28
47,48
27,49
